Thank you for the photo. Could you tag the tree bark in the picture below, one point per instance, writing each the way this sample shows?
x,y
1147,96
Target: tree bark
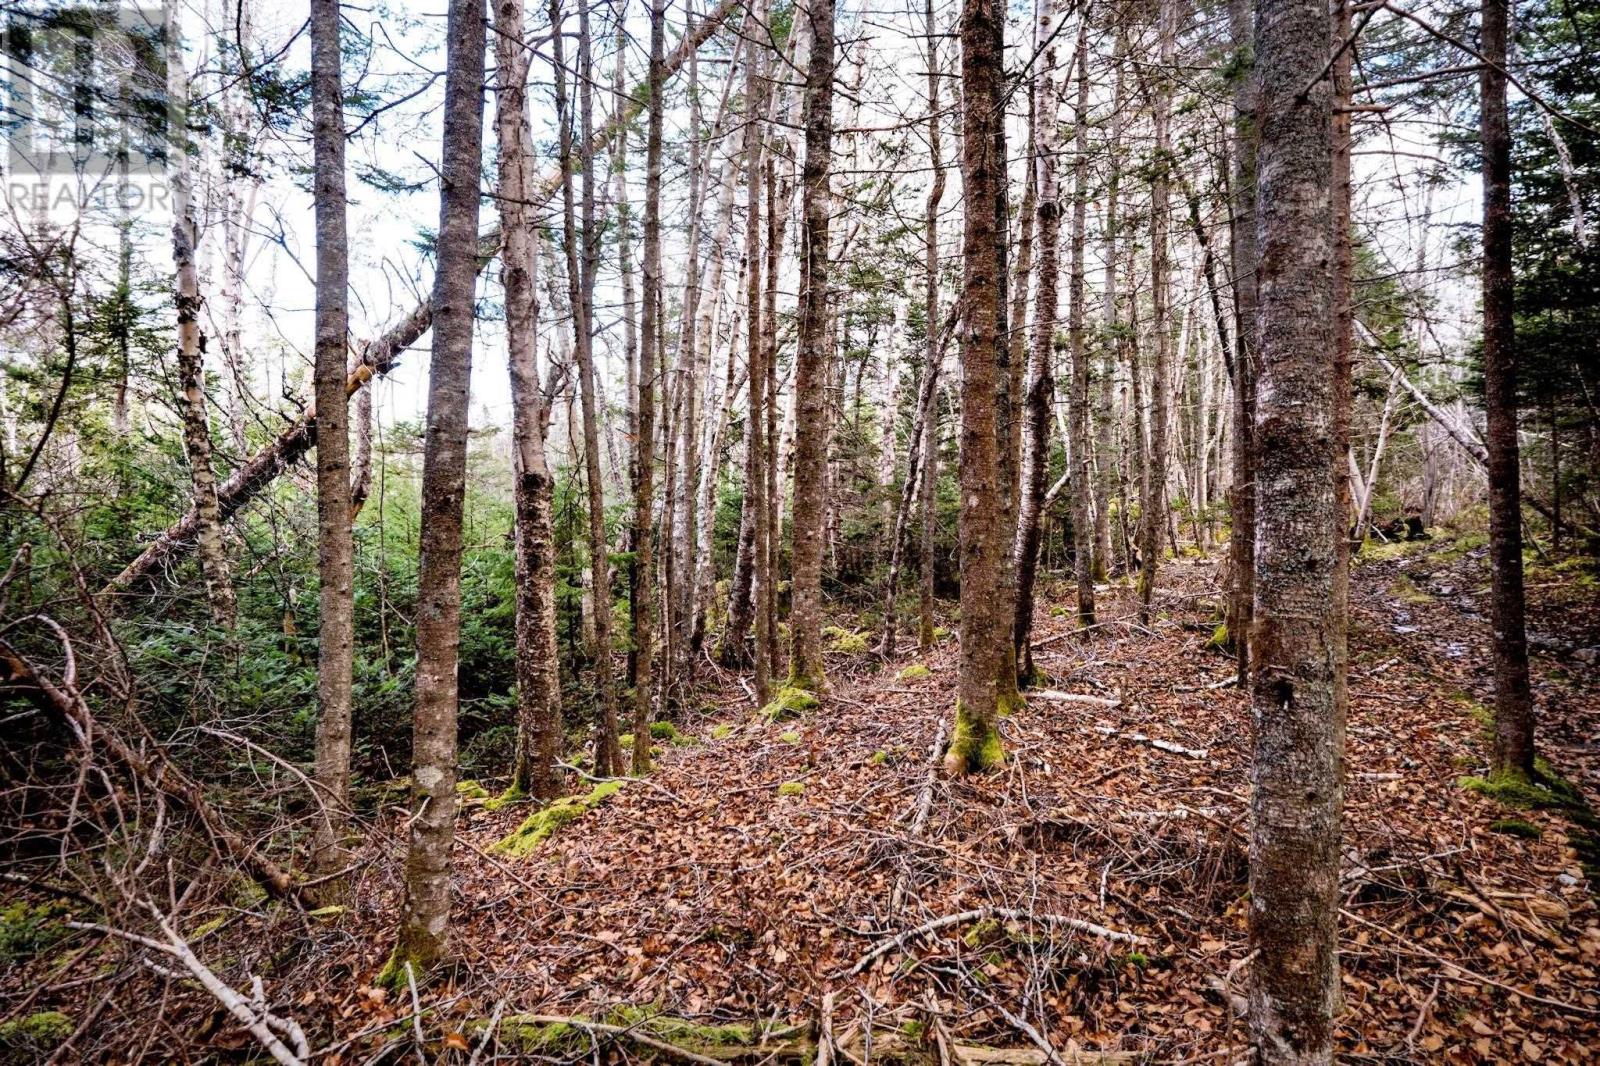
x,y
534,772
1242,505
644,443
1113,338
1513,699
812,361
985,640
191,353
1082,456
424,921
1046,144
335,539
1153,507
929,482
1296,776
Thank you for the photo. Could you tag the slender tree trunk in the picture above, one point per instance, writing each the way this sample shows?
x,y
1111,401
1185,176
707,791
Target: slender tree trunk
x,y
1104,555
644,444
812,361
985,641
1513,700
1296,775
1242,505
191,354
424,921
1082,456
1046,144
1154,505
335,540
534,772
929,482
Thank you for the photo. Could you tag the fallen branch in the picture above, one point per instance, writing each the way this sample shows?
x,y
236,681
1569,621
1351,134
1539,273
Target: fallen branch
x,y
1073,697
157,774
1154,742
924,805
985,914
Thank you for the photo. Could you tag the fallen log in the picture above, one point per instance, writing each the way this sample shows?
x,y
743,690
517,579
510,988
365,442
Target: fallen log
x,y
376,356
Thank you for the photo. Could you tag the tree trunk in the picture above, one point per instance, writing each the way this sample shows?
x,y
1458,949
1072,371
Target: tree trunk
x,y
1103,554
335,539
534,772
1082,457
644,444
985,641
424,921
1041,374
1297,788
1513,700
191,354
1153,507
813,359
929,482
1242,505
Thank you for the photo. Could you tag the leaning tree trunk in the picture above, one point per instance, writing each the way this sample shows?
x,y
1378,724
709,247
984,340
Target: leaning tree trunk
x,y
644,444
1041,374
424,921
1297,764
191,356
534,772
1513,701
985,638
927,489
812,362
335,539
1106,473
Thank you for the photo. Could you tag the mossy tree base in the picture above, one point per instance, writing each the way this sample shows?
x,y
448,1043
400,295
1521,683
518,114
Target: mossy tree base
x,y
976,745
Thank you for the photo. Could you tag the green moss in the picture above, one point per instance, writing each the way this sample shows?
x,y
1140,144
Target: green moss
x,y
721,732
205,929
914,672
975,746
36,1035
1137,959
914,1031
544,823
1516,827
1513,790
625,742
574,1040
792,788
331,911
983,933
1404,589
513,794
1219,638
850,643
471,790
27,929
1008,704
399,970
791,737
879,758
789,703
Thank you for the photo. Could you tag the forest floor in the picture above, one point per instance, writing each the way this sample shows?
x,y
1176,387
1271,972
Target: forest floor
x,y
749,879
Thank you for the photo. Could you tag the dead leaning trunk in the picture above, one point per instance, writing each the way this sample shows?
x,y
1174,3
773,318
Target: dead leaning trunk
x,y
985,639
425,920
1297,764
813,359
534,772
191,354
1153,507
335,514
1041,373
1242,505
1513,700
644,443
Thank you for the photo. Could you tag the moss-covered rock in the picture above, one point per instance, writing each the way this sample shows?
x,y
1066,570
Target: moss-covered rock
x,y
792,788
790,737
847,643
471,790
975,747
513,794
914,672
33,1037
1514,790
549,820
789,703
